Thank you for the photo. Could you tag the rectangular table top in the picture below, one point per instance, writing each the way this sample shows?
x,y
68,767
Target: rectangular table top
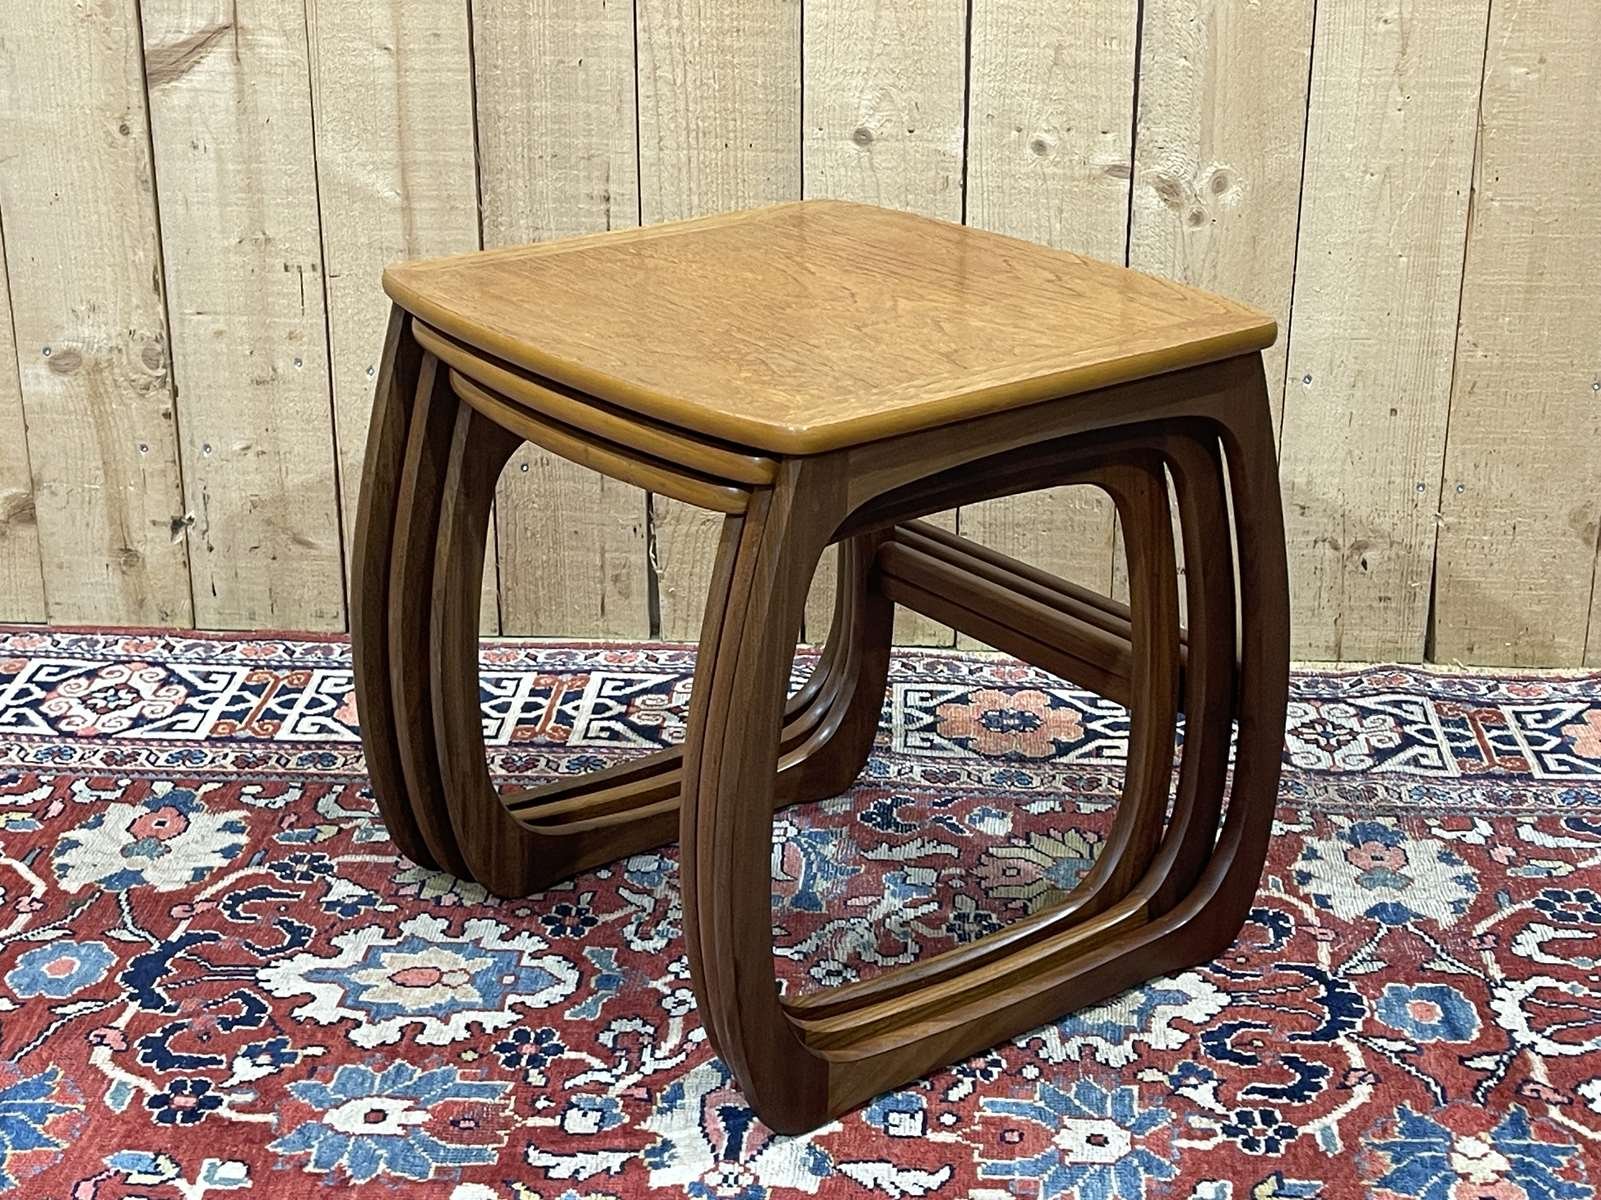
x,y
806,327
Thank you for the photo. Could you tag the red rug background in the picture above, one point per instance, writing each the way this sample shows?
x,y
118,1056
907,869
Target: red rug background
x,y
218,977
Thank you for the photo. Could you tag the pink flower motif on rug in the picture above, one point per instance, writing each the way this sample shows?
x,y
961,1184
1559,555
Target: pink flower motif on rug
x,y
1022,723
1586,735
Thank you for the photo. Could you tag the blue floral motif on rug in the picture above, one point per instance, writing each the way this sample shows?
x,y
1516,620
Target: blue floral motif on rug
x,y
218,977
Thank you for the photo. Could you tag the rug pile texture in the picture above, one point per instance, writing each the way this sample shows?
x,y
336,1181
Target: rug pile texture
x,y
218,978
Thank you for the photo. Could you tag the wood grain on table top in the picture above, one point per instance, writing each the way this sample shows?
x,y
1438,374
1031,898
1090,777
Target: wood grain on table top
x,y
805,327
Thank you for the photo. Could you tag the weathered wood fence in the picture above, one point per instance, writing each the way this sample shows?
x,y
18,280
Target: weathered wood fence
x,y
197,196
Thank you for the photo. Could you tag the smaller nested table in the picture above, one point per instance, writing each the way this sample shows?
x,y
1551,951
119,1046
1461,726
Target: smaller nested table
x,y
828,373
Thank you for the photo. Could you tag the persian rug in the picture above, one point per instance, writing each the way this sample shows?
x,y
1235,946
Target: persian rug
x,y
217,976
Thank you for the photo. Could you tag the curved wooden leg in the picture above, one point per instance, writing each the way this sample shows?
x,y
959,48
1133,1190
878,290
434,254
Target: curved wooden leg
x,y
833,753
371,554
1209,917
1082,636
779,1052
829,722
1044,982
498,851
524,841
1135,480
801,1064
1140,492
420,496
765,561
868,1051
1194,457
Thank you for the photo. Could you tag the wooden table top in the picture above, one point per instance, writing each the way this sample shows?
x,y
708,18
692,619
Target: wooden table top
x,y
806,327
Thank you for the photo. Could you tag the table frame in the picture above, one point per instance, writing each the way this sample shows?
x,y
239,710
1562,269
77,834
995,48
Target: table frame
x,y
1176,874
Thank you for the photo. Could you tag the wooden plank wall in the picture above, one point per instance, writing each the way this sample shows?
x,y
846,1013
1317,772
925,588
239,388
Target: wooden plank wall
x,y
89,318
197,197
1389,157
1521,504
235,164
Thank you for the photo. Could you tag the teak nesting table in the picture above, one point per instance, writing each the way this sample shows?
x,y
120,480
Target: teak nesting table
x,y
819,373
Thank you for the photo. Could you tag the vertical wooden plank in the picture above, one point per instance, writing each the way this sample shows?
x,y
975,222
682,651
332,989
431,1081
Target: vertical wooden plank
x,y
555,94
230,100
1050,117
1378,274
86,295
719,129
1217,167
21,581
1522,501
883,124
392,105
883,103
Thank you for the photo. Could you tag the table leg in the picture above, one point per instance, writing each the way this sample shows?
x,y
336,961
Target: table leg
x,y
800,1063
523,841
371,554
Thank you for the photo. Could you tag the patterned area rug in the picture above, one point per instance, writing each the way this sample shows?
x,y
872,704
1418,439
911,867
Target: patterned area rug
x,y
217,977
